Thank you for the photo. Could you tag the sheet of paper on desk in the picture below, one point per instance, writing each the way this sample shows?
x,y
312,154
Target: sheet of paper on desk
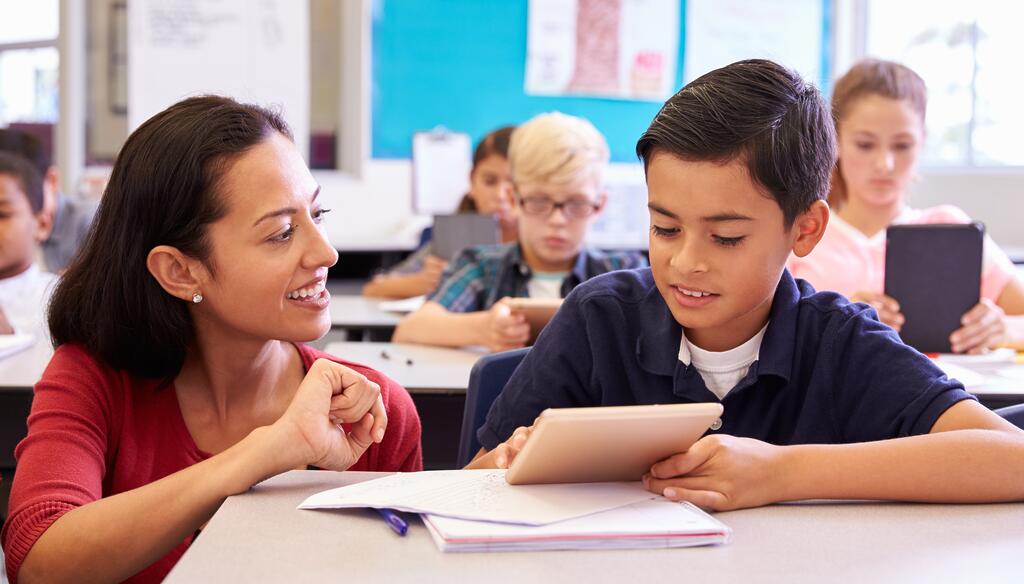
x,y
655,523
481,495
403,306
16,343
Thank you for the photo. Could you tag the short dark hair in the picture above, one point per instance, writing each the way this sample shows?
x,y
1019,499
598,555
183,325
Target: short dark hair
x,y
26,145
162,191
758,110
19,168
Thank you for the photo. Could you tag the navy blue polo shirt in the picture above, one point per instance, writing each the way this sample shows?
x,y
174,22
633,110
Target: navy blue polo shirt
x,y
828,372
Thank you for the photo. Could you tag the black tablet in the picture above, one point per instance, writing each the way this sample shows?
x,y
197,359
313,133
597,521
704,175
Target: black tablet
x,y
452,233
934,272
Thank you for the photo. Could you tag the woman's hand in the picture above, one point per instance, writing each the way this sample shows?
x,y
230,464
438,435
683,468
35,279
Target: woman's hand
x,y
721,473
886,306
984,327
331,395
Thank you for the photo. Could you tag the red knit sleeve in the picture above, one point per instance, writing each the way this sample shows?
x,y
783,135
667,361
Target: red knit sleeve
x,y
61,462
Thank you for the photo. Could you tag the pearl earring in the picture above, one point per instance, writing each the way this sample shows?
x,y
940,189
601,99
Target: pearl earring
x,y
197,298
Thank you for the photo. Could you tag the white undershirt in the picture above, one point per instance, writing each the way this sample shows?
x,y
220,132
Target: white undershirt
x,y
721,371
546,284
24,298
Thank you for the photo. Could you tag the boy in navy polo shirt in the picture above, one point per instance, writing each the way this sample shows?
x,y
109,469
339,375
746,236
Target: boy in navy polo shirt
x,y
821,400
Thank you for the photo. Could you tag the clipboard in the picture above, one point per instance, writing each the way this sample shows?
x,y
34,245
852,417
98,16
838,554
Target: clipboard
x,y
441,162
934,272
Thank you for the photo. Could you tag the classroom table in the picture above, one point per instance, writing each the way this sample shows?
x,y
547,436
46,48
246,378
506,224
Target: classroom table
x,y
260,536
418,368
361,317
18,374
435,377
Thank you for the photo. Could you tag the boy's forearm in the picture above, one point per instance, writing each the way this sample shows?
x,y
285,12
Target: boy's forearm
x,y
440,327
394,286
961,466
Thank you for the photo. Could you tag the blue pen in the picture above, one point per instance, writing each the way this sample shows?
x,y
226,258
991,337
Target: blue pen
x,y
397,524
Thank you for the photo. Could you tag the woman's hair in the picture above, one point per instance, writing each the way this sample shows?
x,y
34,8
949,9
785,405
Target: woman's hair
x,y
494,143
873,77
163,190
557,148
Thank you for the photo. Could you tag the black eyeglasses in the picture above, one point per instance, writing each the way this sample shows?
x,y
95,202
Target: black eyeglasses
x,y
575,208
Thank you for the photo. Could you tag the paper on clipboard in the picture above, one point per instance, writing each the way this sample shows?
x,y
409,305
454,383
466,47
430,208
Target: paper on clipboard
x,y
441,161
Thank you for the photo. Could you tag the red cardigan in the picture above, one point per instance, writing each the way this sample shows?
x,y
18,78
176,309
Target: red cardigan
x,y
95,432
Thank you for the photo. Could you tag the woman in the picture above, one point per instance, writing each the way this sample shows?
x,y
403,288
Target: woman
x,y
178,378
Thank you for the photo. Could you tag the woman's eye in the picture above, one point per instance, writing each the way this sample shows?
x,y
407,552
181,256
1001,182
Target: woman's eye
x,y
664,231
284,235
727,241
318,215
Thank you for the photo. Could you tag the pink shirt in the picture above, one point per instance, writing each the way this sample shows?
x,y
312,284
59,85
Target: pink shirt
x,y
847,261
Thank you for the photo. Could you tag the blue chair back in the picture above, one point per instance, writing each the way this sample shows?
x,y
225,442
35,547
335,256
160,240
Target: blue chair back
x,y
1013,414
486,380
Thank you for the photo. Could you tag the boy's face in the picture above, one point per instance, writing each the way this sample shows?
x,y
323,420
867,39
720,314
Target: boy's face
x,y
552,238
718,247
20,229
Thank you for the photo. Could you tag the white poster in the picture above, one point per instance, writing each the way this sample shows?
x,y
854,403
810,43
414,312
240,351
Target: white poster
x,y
719,32
252,50
624,49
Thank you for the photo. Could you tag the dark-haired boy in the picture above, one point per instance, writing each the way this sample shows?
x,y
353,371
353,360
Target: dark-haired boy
x,y
821,400
24,288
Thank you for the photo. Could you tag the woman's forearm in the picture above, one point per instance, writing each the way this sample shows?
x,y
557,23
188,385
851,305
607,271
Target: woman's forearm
x,y
115,537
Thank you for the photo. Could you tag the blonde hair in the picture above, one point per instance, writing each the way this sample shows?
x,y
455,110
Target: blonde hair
x,y
557,148
873,77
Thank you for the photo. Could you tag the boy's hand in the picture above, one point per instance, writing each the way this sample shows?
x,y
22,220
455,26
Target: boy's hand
x,y
429,277
504,329
504,453
984,327
886,306
721,473
5,325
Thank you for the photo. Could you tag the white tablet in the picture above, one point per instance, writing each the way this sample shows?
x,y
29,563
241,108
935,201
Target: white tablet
x,y
538,312
601,444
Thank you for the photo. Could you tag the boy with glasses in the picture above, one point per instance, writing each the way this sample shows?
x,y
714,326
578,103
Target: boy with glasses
x,y
558,164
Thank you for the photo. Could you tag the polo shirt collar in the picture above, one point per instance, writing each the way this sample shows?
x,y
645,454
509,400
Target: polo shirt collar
x,y
657,349
579,269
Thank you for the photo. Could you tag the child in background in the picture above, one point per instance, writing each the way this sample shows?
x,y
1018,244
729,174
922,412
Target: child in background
x,y
69,217
821,400
879,108
558,163
488,195
24,288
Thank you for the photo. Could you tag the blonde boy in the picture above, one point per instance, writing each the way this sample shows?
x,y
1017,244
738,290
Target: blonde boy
x,y
558,163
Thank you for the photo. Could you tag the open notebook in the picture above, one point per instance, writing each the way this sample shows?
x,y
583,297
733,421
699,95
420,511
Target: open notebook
x,y
654,523
16,343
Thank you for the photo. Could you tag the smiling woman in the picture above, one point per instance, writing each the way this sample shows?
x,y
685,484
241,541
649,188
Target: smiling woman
x,y
179,376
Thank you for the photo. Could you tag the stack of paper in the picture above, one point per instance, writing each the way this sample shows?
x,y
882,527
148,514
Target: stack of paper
x,y
477,510
655,523
403,306
11,344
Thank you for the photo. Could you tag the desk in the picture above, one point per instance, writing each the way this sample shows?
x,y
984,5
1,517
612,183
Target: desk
x,y
18,375
260,536
436,379
418,368
361,317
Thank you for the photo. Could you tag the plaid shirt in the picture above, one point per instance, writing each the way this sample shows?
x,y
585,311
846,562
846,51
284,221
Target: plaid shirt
x,y
482,275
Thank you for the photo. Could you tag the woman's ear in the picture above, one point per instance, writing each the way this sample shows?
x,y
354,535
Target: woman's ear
x,y
809,227
179,275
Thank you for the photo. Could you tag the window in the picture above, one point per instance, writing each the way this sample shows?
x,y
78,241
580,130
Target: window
x,y
28,61
967,53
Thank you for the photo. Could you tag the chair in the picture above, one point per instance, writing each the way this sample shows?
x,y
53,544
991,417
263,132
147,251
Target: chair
x,y
1012,414
486,380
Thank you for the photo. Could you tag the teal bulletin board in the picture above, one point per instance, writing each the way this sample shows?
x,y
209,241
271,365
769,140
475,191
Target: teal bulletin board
x,y
461,64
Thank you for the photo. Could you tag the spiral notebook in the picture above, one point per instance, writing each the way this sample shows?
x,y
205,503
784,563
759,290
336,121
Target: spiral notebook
x,y
653,523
